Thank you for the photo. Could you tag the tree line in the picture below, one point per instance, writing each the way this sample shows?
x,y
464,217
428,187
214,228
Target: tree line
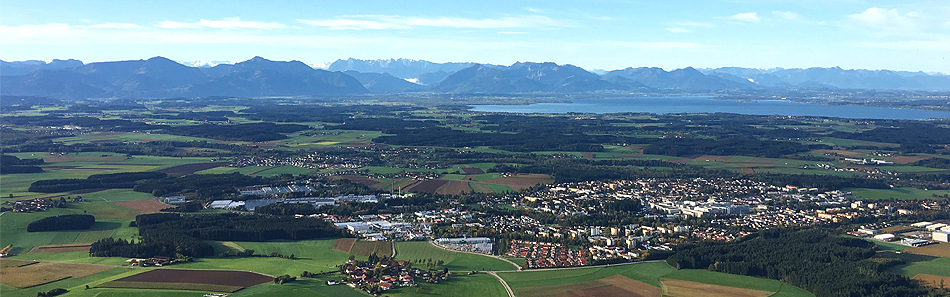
x,y
95,181
813,259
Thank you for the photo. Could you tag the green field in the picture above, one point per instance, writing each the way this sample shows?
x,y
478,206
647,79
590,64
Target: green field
x,y
938,266
421,250
725,279
126,136
111,220
650,273
76,286
645,272
897,193
285,169
453,176
460,285
82,165
312,255
302,287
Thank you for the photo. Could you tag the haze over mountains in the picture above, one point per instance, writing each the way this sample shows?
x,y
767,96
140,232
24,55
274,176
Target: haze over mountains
x,y
159,77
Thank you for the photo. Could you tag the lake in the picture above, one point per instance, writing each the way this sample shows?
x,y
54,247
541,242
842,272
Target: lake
x,y
708,105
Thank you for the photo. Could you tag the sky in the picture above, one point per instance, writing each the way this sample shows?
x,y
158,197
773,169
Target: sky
x,y
593,34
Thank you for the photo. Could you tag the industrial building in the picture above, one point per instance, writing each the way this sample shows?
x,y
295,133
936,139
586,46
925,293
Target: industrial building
x,y
941,236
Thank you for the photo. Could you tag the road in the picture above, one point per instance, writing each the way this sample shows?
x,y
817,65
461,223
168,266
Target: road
x,y
504,283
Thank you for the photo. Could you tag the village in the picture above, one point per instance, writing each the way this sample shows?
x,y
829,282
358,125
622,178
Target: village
x,y
380,273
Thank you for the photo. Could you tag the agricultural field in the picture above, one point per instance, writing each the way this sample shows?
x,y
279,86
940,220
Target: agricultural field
x,y
642,279
897,193
302,287
60,248
938,266
460,285
367,248
76,285
937,250
193,280
82,165
143,206
310,255
46,272
111,220
344,245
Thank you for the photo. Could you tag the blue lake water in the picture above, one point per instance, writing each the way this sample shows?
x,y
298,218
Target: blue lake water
x,y
707,105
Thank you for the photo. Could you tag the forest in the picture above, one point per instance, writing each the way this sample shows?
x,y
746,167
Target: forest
x,y
11,164
63,222
168,234
95,181
815,259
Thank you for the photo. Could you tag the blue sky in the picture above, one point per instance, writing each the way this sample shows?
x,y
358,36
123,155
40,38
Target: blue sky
x,y
898,35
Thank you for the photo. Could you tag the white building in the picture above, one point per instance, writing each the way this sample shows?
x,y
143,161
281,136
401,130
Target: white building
x,y
355,227
941,236
885,237
935,227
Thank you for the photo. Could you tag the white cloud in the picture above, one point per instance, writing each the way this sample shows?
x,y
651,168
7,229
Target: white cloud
x,y
511,32
745,17
788,15
678,30
377,22
351,24
886,19
115,26
228,23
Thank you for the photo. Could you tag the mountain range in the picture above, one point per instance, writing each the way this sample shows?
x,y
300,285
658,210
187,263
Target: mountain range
x,y
160,77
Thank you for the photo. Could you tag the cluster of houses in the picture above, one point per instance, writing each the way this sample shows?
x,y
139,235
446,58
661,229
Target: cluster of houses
x,y
37,204
376,275
547,254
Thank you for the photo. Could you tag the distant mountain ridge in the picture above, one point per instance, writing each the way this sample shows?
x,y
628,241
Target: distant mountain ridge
x,y
835,77
159,77
401,68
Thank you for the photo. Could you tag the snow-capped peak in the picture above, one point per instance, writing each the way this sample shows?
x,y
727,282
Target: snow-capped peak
x,y
203,64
